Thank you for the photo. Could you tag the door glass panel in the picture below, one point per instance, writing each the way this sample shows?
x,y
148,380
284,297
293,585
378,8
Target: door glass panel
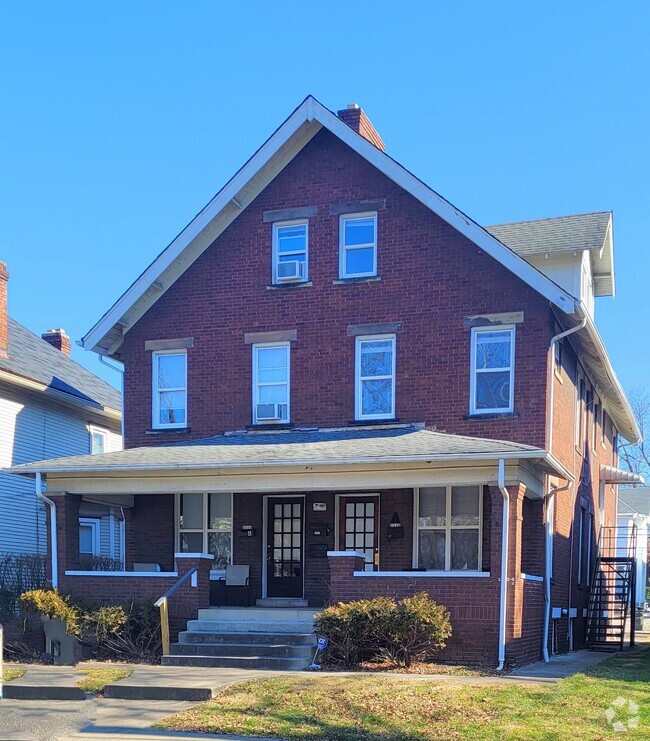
x,y
191,515
349,541
277,510
349,509
360,509
287,510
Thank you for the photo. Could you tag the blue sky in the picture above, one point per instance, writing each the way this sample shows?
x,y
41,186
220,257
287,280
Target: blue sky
x,y
120,120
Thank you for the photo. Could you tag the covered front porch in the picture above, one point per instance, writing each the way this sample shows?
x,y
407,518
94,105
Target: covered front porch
x,y
319,518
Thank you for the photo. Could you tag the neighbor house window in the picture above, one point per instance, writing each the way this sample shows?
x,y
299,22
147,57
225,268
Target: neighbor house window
x,y
205,525
271,383
290,242
169,389
449,522
98,440
375,377
492,377
358,245
89,536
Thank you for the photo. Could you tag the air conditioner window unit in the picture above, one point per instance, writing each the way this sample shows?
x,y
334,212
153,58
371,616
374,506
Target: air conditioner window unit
x,y
292,270
271,412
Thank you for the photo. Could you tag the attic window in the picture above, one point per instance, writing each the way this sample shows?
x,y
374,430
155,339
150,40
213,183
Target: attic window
x,y
290,240
358,245
169,389
492,376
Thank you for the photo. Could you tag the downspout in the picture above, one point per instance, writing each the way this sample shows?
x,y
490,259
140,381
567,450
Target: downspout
x,y
550,508
501,475
54,546
102,360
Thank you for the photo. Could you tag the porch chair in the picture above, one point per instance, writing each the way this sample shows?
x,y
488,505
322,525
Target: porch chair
x,y
237,577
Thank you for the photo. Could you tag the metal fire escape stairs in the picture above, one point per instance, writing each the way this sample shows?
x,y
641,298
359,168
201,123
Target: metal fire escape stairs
x,y
613,589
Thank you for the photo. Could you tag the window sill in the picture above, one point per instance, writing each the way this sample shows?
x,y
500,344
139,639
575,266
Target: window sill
x,y
280,426
362,279
168,430
366,422
289,286
492,415
428,574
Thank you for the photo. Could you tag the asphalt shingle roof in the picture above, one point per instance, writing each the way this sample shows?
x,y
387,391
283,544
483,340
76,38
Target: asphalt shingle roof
x,y
31,357
635,500
560,234
342,445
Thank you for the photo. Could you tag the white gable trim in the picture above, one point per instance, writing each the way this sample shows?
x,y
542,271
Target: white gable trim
x,y
263,166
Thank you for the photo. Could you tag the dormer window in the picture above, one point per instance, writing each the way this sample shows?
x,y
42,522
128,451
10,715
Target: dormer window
x,y
290,247
358,245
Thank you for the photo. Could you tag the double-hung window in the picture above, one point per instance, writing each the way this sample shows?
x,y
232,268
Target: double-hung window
x,y
89,544
290,247
169,389
375,377
449,527
98,440
271,383
358,245
492,374
205,525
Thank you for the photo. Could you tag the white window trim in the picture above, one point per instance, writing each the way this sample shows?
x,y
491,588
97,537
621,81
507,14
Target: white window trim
x,y
276,254
447,528
476,331
94,524
358,409
205,530
93,430
343,248
155,396
256,386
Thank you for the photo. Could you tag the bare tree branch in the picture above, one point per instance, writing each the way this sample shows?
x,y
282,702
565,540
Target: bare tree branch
x,y
636,458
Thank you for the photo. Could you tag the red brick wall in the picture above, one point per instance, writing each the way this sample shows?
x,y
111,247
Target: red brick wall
x,y
431,278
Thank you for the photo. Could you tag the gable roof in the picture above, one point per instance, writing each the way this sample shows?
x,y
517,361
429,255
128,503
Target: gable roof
x,y
576,233
634,501
30,358
284,144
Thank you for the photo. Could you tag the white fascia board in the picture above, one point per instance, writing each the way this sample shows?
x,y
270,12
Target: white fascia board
x,y
311,110
197,225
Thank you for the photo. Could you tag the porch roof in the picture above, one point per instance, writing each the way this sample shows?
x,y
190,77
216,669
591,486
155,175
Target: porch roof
x,y
298,447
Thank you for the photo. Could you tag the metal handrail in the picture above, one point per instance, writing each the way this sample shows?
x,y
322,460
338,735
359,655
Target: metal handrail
x,y
164,612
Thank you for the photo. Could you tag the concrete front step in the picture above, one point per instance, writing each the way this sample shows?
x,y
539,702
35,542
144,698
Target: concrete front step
x,y
238,662
249,626
157,692
41,692
295,639
259,614
282,602
241,649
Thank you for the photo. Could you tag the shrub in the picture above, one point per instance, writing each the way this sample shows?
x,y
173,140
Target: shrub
x,y
413,629
49,602
130,631
19,572
90,562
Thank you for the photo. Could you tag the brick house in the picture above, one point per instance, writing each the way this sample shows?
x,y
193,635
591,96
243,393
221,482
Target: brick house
x,y
335,377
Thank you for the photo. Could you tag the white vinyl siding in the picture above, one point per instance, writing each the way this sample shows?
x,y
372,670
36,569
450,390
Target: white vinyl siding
x,y
492,370
33,429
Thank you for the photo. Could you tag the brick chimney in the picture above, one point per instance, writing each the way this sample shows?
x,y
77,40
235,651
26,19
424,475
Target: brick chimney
x,y
357,120
4,328
59,339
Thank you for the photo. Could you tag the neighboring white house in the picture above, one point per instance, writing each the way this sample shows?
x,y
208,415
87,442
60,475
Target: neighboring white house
x,y
634,509
50,406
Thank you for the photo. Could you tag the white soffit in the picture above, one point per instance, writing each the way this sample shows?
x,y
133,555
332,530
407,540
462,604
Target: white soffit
x,y
287,141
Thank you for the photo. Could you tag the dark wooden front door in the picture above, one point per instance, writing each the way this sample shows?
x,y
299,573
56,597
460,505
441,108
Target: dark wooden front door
x,y
284,550
359,528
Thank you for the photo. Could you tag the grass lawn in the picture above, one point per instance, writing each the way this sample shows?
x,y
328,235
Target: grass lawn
x,y
98,677
9,674
372,708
